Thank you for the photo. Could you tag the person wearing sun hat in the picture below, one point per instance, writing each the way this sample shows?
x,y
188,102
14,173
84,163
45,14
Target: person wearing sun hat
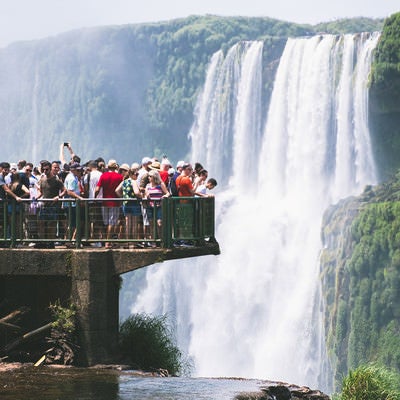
x,y
144,170
124,170
109,181
142,181
155,165
178,172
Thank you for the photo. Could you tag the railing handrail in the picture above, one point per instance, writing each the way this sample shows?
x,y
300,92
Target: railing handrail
x,y
183,219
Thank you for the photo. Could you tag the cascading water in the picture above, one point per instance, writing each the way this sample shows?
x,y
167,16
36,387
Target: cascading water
x,y
255,310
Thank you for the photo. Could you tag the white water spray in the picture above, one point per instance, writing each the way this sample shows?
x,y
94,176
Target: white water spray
x,y
254,311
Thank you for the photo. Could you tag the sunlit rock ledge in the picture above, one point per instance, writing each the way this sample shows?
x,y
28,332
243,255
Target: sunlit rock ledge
x,y
283,391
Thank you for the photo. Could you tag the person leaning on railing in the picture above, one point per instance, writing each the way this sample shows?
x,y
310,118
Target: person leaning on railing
x,y
73,191
4,191
128,189
155,191
184,181
50,188
109,181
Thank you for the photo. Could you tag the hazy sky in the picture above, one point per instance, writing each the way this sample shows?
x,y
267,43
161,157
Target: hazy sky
x,y
33,19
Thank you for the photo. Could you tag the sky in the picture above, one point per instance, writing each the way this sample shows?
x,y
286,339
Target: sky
x,y
35,19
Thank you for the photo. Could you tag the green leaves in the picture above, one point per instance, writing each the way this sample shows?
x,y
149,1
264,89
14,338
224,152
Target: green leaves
x,y
148,342
370,382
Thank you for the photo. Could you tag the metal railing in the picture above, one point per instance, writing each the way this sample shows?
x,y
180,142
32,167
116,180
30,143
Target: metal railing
x,y
74,223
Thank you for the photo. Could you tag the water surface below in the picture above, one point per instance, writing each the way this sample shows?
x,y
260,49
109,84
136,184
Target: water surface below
x,y
87,384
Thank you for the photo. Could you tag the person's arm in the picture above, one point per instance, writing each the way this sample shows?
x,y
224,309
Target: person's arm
x,y
196,183
165,190
62,192
26,191
118,190
136,189
70,151
10,192
98,186
71,193
62,158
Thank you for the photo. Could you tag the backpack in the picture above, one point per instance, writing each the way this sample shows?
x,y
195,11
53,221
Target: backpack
x,y
172,188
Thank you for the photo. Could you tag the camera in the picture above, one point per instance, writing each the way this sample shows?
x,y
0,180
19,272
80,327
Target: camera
x,y
66,144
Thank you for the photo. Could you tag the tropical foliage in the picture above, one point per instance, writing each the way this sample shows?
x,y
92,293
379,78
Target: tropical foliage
x,y
148,344
361,278
385,97
124,91
370,382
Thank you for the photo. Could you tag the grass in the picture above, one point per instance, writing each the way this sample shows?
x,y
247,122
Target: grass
x,y
370,382
148,343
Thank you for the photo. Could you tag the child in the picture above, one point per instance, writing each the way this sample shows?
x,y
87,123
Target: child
x,y
201,190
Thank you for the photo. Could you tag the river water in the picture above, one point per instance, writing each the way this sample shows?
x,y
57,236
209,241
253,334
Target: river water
x,y
87,384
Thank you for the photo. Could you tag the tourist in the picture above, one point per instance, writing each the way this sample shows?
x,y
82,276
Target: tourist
x,y
202,189
74,191
178,172
184,182
90,181
165,166
50,188
109,181
129,189
143,180
155,191
21,191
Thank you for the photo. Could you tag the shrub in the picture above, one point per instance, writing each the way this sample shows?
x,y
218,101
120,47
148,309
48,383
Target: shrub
x,y
370,382
148,342
63,335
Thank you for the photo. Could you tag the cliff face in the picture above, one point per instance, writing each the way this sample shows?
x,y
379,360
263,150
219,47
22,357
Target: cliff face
x,y
360,269
360,263
385,98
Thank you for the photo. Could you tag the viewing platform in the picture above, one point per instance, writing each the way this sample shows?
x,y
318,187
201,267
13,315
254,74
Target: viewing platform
x,y
75,270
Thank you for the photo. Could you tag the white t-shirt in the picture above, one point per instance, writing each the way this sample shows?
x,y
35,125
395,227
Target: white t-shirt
x,y
93,177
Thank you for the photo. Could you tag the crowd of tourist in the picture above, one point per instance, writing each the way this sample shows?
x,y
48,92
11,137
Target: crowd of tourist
x,y
140,186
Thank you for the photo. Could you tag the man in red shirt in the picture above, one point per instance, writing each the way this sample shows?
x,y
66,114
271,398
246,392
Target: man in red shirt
x,y
184,182
109,181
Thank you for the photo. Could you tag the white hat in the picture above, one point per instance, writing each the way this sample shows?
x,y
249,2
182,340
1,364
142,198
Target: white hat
x,y
146,160
180,164
135,165
124,166
165,161
171,171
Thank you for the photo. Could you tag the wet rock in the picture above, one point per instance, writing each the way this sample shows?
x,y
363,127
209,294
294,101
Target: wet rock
x,y
283,391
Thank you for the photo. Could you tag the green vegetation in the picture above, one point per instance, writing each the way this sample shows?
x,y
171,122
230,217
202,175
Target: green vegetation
x,y
62,338
350,25
126,91
148,343
361,278
385,77
370,382
385,97
374,286
64,318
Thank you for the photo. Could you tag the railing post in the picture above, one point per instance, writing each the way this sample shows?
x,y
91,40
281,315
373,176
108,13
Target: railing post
x,y
13,223
167,222
87,223
78,233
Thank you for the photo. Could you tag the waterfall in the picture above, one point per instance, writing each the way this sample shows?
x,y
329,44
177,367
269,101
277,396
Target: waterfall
x,y
255,310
